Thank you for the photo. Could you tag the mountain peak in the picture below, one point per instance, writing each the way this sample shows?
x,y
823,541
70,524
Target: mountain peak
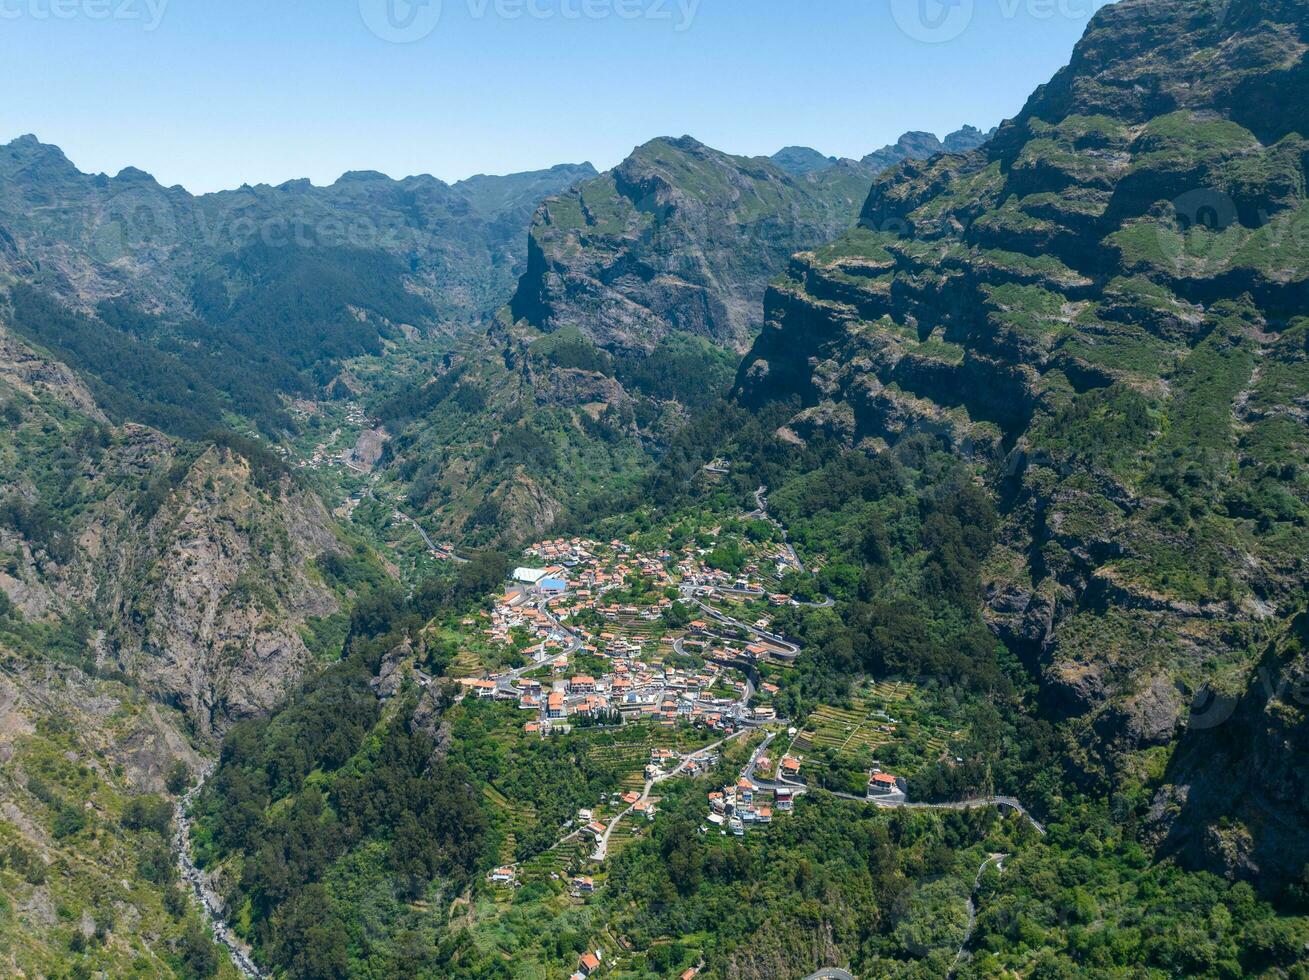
x,y
29,152
799,160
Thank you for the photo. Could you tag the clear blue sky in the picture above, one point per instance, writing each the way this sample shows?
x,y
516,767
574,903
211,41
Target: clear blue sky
x,y
221,92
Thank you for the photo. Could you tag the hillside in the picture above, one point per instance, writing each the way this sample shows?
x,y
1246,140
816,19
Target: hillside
x,y
188,567
88,237
681,238
1102,309
186,312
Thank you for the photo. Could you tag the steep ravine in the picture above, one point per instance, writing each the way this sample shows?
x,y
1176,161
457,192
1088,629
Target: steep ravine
x,y
208,901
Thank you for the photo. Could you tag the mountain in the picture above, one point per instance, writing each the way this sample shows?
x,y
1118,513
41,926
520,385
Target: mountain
x,y
924,146
678,238
185,312
89,238
681,237
185,566
641,285
801,160
1102,310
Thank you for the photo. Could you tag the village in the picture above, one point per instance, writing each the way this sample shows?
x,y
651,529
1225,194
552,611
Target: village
x,y
611,636
640,662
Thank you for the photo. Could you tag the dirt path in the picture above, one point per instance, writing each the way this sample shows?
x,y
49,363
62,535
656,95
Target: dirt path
x,y
998,859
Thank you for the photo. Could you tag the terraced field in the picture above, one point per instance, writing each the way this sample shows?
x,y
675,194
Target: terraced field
x,y
884,713
520,817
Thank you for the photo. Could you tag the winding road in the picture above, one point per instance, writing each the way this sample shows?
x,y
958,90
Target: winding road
x,y
792,650
998,860
504,683
445,554
1003,802
602,845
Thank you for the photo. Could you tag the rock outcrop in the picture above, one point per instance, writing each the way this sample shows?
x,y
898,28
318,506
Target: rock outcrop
x,y
185,567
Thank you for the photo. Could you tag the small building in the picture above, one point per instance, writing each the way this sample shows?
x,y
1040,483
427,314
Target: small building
x,y
503,876
481,688
883,784
554,706
584,884
588,964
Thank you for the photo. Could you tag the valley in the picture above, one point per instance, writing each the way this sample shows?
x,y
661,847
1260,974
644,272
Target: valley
x,y
723,566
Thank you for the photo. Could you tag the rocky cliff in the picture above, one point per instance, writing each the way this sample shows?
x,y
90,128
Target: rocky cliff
x,y
191,569
924,146
1103,308
679,237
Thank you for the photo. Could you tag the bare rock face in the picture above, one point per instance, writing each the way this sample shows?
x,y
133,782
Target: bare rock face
x,y
1235,798
679,237
783,950
193,574
527,508
573,388
217,591
24,370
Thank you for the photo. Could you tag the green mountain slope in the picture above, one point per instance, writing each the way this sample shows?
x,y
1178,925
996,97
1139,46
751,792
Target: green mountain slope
x,y
1102,308
187,312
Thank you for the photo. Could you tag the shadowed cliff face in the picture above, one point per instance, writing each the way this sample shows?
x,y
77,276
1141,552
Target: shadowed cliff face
x,y
1103,307
683,238
1244,756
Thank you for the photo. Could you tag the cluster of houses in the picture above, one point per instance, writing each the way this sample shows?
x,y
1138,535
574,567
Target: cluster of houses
x,y
744,803
547,605
632,691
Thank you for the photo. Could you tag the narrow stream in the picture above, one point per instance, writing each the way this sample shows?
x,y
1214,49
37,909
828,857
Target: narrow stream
x,y
210,904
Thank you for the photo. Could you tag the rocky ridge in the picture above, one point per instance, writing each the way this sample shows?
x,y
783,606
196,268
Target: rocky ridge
x,y
682,237
92,237
186,567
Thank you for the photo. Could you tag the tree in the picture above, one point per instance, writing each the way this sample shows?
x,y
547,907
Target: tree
x,y
179,777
